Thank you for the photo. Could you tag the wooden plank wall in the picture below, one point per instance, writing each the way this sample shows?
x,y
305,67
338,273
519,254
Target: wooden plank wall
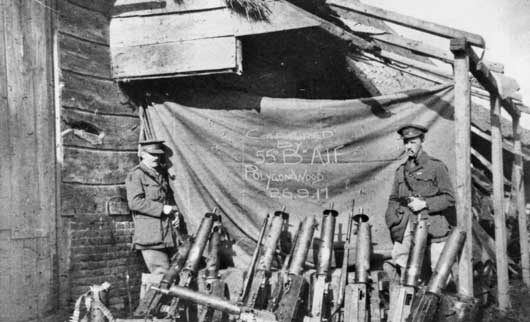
x,y
27,163
99,139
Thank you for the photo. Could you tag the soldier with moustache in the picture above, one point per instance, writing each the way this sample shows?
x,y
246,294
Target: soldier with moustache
x,y
425,181
152,205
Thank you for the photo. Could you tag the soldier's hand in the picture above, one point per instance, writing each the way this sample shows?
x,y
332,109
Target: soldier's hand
x,y
416,204
168,210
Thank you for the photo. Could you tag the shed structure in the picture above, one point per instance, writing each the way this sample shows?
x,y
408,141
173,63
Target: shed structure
x,y
70,134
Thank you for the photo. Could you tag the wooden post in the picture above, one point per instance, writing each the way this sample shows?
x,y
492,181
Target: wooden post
x,y
518,184
460,47
498,198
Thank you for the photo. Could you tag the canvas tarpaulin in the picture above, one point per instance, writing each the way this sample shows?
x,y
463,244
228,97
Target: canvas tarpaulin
x,y
300,154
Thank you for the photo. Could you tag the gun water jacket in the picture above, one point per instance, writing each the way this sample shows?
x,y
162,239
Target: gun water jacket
x,y
427,178
147,193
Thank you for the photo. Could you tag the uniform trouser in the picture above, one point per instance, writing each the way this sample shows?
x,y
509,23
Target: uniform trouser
x,y
400,251
156,260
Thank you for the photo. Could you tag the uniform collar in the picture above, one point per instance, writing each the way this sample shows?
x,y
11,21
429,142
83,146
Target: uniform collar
x,y
420,161
150,171
422,158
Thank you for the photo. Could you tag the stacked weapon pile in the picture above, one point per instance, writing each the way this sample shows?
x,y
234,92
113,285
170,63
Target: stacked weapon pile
x,y
300,291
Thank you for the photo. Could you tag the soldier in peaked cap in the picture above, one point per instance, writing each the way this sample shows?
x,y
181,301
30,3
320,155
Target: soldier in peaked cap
x,y
153,208
424,183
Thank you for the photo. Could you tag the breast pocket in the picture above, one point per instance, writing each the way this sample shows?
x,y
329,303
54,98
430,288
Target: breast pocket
x,y
152,192
425,184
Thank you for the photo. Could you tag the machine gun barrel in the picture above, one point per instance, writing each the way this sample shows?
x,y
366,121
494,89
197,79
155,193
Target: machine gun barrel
x,y
260,289
191,266
452,248
363,248
302,246
253,263
345,260
244,314
424,309
417,254
294,288
179,259
195,297
275,231
212,263
201,239
321,306
151,300
327,232
357,295
214,285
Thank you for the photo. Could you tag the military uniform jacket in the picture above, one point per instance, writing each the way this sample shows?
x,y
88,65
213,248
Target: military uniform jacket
x,y
147,193
428,179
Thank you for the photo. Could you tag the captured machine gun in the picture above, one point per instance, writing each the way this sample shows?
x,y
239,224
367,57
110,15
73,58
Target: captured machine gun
x,y
357,294
260,288
321,304
152,301
242,313
424,308
214,285
253,262
293,288
344,269
187,278
400,308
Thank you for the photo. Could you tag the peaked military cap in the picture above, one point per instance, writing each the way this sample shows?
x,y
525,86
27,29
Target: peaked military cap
x,y
410,131
152,146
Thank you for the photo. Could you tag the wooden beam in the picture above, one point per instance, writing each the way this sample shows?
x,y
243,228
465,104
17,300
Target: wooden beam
x,y
409,62
339,32
486,163
506,145
422,48
408,21
518,107
438,76
374,49
485,77
498,208
519,190
482,72
463,161
398,40
415,46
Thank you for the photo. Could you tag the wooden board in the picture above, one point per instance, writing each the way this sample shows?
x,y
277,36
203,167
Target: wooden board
x,y
94,95
172,58
86,166
27,201
83,23
84,57
134,31
89,200
127,8
92,130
